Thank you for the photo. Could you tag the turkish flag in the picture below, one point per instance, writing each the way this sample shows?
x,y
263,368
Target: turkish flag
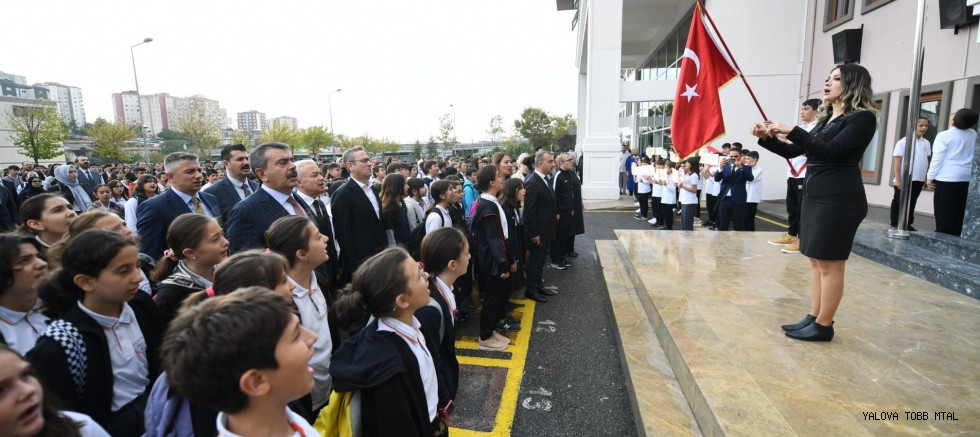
x,y
696,119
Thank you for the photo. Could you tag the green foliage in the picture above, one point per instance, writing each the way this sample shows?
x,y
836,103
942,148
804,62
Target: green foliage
x,y
316,138
535,125
279,133
239,137
202,132
430,148
168,134
38,131
417,150
447,131
157,156
170,146
496,128
110,141
561,131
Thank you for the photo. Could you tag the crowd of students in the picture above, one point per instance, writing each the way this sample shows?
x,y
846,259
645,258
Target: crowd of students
x,y
733,190
223,337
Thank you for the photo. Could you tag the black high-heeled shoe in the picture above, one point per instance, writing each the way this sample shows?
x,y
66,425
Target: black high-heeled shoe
x,y
813,332
801,324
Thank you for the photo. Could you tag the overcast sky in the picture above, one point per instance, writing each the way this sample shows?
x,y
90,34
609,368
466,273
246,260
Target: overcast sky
x,y
399,63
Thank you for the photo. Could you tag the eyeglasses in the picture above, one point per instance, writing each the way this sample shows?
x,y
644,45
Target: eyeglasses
x,y
363,160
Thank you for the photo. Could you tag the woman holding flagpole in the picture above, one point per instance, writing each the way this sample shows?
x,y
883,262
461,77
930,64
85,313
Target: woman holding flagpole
x,y
834,202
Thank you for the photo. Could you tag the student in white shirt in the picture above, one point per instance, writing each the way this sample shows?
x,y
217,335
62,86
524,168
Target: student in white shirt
x,y
753,189
921,151
21,273
299,240
437,216
656,193
389,287
688,194
950,171
668,198
247,355
643,190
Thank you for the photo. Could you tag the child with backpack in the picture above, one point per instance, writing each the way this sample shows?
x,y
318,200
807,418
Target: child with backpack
x,y
489,227
385,369
446,256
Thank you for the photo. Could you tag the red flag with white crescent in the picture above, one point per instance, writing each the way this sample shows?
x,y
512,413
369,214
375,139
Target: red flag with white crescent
x,y
696,119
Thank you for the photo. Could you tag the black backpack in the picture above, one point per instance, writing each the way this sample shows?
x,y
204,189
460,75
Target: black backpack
x,y
415,242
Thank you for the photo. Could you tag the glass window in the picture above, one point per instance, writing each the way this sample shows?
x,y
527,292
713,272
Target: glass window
x,y
837,12
870,5
871,161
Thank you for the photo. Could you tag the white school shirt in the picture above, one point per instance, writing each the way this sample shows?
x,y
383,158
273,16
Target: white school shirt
x,y
753,188
127,352
656,190
952,155
21,330
129,211
799,161
416,343
313,314
87,426
433,222
920,157
644,185
301,428
687,197
669,195
448,296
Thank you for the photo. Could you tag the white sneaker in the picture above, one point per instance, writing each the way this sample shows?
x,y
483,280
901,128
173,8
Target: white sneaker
x,y
637,210
652,221
636,204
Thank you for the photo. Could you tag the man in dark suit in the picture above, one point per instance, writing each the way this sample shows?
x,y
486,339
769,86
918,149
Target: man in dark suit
x,y
235,186
12,181
577,225
250,218
565,203
309,190
733,176
540,220
356,215
153,217
86,178
8,211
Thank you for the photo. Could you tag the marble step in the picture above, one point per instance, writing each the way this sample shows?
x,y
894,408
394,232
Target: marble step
x,y
659,405
917,258
948,245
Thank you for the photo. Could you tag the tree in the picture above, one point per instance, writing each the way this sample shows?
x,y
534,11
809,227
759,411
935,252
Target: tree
x,y
38,131
170,146
417,150
347,142
315,139
279,133
496,128
561,128
201,131
430,147
239,137
536,126
110,140
447,132
168,134
388,146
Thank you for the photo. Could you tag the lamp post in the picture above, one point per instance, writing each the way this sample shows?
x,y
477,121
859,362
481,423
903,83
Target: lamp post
x,y
139,100
330,107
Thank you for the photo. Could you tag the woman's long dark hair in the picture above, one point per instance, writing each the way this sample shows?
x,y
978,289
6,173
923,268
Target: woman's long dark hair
x,y
392,192
288,235
9,251
185,232
372,292
251,268
441,246
508,196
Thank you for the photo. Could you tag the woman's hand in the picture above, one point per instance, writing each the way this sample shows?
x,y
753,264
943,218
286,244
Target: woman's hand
x,y
504,275
774,129
513,267
759,131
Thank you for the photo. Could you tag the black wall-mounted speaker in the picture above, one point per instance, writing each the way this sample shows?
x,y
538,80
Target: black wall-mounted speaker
x,y
954,13
847,46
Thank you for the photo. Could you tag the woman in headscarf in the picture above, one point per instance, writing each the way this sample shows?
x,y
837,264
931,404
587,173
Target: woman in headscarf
x,y
68,186
33,188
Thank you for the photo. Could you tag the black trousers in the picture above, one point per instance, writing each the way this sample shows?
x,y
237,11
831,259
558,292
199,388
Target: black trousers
x,y
730,213
916,188
697,211
656,210
558,245
949,205
750,210
666,215
644,199
794,201
535,264
495,295
711,202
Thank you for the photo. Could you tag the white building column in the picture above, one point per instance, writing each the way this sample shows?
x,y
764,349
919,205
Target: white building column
x,y
600,129
583,113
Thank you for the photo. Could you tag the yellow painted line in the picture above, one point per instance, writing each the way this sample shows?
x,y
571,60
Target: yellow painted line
x,y
512,384
772,221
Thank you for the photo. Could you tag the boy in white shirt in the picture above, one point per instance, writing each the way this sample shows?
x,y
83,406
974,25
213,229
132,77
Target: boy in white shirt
x,y
753,190
921,151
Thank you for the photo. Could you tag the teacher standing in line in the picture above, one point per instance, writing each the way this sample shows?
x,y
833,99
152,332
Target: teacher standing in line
x,y
834,202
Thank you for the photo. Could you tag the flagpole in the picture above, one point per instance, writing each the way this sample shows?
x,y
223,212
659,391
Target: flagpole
x,y
732,58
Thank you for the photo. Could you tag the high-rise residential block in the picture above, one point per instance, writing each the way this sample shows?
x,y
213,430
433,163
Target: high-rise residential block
x,y
286,121
251,121
71,106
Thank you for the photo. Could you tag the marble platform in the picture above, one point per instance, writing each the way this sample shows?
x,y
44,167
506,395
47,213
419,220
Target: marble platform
x,y
715,301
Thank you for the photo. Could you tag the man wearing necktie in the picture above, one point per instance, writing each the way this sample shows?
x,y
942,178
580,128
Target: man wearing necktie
x,y
309,188
86,178
540,221
235,186
249,219
153,217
